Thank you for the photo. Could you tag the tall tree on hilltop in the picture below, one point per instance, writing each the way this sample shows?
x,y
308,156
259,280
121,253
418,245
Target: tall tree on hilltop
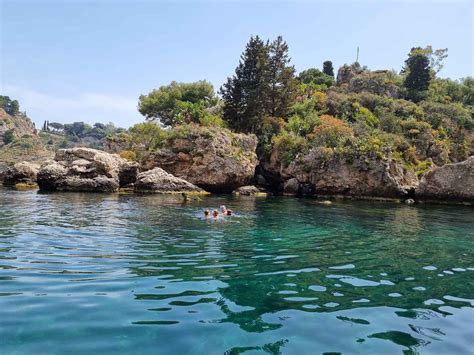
x,y
281,80
418,74
263,85
328,68
244,93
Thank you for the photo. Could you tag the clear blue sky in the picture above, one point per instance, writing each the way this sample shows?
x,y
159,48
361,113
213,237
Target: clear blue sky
x,y
71,60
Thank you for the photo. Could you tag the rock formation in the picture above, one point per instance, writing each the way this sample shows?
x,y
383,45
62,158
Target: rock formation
x,y
248,191
318,174
21,173
86,169
216,160
449,182
159,181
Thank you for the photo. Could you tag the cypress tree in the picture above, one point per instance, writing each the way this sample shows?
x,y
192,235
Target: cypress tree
x,y
244,93
418,74
263,85
281,80
328,68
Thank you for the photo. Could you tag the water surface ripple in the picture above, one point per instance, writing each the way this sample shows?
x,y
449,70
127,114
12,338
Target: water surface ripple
x,y
87,273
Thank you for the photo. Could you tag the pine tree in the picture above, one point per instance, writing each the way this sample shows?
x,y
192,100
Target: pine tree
x,y
328,68
244,93
263,85
418,74
281,80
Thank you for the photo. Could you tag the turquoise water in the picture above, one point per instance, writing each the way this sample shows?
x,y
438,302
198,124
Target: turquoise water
x,y
92,273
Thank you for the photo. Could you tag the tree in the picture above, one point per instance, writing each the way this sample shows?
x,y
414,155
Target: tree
x,y
263,85
244,93
77,129
146,136
315,76
282,83
12,107
56,126
8,136
328,68
436,58
178,102
418,74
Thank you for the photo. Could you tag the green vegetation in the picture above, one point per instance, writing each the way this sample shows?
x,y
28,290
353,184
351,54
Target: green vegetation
x,y
413,116
180,103
57,135
12,107
264,84
8,136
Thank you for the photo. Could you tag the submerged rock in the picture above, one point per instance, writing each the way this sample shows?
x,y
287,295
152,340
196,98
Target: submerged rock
x,y
214,159
449,182
21,173
86,169
248,190
409,201
159,181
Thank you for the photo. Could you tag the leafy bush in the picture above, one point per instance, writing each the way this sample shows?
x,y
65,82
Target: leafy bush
x,y
8,136
128,155
289,146
331,132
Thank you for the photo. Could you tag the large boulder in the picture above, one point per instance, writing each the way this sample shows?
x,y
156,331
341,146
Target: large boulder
x,y
21,173
449,182
212,158
317,173
86,169
159,181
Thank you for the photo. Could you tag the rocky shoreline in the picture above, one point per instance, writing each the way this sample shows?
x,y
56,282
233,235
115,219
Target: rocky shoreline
x,y
91,170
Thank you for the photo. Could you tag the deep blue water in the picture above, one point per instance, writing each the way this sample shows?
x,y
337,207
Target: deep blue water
x,y
92,273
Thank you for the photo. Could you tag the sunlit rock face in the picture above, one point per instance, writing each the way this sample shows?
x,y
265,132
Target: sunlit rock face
x,y
159,181
214,159
86,169
20,173
449,182
316,173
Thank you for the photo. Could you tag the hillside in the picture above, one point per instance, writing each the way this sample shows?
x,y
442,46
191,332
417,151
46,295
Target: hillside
x,y
20,140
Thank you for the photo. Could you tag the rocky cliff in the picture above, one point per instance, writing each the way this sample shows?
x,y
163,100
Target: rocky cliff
x,y
214,159
19,140
320,173
449,182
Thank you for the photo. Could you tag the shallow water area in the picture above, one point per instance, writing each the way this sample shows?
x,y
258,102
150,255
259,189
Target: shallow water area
x,y
83,273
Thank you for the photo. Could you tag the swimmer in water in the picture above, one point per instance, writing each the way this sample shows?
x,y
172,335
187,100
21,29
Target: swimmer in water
x,y
223,210
206,214
215,214
229,212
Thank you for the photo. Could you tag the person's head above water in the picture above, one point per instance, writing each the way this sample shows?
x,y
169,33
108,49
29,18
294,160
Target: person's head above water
x,y
223,209
215,213
229,212
206,213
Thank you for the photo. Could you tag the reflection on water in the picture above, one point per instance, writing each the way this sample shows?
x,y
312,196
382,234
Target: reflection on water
x,y
89,272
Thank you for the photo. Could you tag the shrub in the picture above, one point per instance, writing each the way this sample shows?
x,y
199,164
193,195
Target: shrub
x,y
302,125
289,146
128,155
331,132
8,136
211,120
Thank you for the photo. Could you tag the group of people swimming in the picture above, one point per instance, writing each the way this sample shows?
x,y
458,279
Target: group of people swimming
x,y
215,213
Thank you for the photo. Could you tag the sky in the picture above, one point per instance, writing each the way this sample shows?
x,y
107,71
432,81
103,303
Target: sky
x,y
85,60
